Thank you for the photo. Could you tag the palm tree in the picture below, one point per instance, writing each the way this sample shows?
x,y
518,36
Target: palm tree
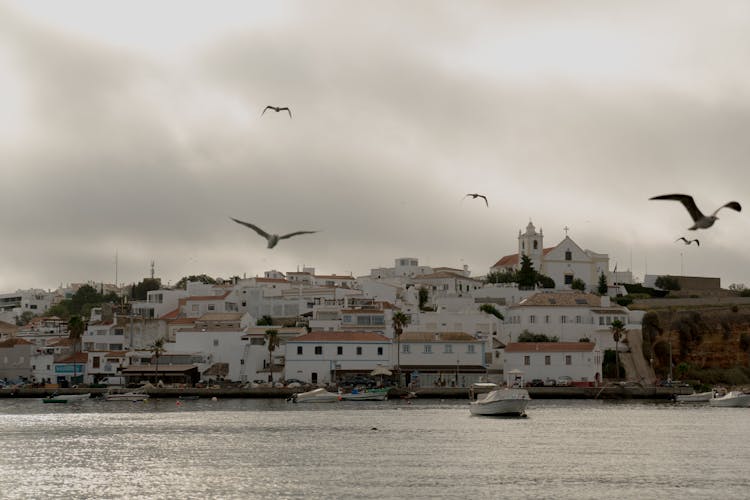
x,y
76,327
157,349
618,331
272,337
399,320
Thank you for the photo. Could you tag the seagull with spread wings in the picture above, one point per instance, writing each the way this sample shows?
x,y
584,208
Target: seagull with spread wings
x,y
277,109
700,221
272,239
474,196
687,241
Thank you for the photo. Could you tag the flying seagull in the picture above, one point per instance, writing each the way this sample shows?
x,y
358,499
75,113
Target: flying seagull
x,y
277,109
474,196
687,241
701,221
273,239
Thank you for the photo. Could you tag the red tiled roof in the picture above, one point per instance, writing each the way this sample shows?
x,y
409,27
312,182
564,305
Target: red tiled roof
x,y
79,357
513,259
14,342
341,337
550,347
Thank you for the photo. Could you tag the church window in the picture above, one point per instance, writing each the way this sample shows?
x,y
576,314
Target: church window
x,y
523,245
568,255
536,244
568,279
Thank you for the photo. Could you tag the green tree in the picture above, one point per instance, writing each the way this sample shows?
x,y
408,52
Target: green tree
x,y
667,282
24,318
602,288
544,281
84,299
140,290
527,274
618,332
157,349
61,309
203,278
272,340
502,277
527,336
490,309
399,321
578,284
76,327
264,320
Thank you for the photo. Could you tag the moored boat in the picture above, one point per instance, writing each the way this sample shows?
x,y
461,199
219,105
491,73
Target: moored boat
x,y
733,399
319,395
67,398
126,396
696,397
487,398
365,395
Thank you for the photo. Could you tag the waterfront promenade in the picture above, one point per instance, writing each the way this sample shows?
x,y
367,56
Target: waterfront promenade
x,y
610,391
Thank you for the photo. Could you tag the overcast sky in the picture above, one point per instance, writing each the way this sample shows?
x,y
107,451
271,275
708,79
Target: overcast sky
x,y
134,129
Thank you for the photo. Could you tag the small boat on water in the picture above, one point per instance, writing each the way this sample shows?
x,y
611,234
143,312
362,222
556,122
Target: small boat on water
x,y
319,395
365,395
733,399
696,397
67,398
126,396
487,398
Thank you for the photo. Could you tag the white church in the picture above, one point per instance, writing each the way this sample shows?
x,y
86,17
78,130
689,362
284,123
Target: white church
x,y
563,263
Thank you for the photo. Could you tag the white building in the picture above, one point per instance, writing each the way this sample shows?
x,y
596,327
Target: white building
x,y
323,357
569,316
582,361
13,305
563,262
158,303
453,358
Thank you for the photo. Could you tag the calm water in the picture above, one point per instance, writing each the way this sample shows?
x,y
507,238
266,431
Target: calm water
x,y
427,449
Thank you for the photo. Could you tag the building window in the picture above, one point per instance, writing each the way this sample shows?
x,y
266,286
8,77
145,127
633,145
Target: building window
x,y
211,307
527,360
601,320
536,244
216,342
568,359
380,351
470,348
568,279
340,350
546,319
319,350
578,319
568,255
405,348
95,362
532,319
428,349
299,350
563,319
548,360
448,348
359,351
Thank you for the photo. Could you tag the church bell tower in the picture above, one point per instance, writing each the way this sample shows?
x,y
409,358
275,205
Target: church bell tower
x,y
530,243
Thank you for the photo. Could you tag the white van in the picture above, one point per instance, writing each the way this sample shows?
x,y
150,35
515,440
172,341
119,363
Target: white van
x,y
113,381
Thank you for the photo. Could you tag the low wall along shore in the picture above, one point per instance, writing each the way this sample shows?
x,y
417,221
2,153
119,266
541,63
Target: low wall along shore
x,y
608,392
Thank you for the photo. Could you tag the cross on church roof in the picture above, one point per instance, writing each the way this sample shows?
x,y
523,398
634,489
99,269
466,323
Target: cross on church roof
x,y
566,228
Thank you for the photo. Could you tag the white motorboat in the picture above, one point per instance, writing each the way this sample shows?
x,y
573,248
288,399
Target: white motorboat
x,y
319,395
499,400
696,397
126,396
365,395
67,398
735,399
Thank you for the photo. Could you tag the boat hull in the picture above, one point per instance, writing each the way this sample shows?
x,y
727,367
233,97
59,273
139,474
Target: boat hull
x,y
501,402
126,397
701,397
732,400
365,396
70,398
315,396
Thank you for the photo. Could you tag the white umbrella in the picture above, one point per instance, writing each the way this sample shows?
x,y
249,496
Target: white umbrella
x,y
381,370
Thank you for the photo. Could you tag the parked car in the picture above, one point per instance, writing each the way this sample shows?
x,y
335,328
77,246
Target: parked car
x,y
564,381
550,382
537,382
